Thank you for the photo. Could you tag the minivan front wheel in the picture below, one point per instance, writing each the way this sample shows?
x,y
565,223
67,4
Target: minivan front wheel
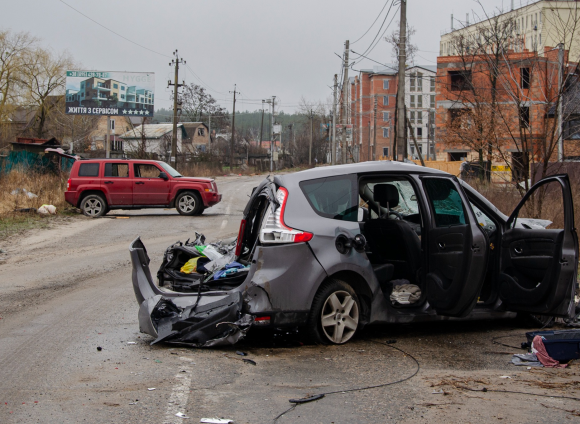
x,y
189,203
94,206
335,314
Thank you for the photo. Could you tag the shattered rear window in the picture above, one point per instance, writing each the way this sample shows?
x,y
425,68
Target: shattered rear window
x,y
333,197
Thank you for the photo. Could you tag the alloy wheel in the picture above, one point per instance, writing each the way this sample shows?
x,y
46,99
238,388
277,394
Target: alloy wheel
x,y
93,207
339,317
187,203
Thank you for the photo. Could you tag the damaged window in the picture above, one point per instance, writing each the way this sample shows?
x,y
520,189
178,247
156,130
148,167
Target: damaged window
x,y
445,201
333,197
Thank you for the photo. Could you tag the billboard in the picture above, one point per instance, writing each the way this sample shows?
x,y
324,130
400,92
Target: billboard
x,y
110,93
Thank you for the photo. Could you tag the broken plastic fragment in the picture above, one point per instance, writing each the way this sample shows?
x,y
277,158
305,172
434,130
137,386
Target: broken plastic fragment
x,y
151,388
181,415
505,376
131,343
216,421
249,361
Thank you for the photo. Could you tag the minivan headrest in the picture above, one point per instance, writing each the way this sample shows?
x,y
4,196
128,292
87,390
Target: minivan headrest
x,y
386,193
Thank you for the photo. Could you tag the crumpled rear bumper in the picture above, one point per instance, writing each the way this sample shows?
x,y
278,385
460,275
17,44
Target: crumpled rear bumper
x,y
213,320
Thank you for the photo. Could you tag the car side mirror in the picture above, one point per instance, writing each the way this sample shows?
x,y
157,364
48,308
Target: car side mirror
x,y
163,175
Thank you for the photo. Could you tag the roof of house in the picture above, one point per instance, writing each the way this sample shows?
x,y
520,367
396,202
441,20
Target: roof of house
x,y
152,131
36,141
393,69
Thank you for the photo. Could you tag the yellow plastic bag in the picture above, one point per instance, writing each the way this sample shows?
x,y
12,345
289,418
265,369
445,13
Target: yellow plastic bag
x,y
190,266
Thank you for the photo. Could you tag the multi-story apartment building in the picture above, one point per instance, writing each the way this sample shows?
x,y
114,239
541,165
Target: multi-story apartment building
x,y
377,85
420,103
536,25
112,91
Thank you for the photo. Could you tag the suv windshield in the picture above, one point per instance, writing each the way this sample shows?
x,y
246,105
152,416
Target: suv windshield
x,y
170,170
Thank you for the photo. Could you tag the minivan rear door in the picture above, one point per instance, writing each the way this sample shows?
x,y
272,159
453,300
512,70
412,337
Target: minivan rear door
x,y
539,266
456,248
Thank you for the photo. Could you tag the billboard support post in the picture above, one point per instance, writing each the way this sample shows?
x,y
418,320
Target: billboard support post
x,y
108,138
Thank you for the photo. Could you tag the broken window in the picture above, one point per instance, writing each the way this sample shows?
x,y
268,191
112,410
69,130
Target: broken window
x,y
200,131
525,78
333,197
459,80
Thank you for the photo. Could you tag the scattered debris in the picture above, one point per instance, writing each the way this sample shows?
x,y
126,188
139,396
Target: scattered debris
x,y
158,361
181,415
439,392
249,361
131,343
238,352
99,348
47,210
151,388
216,421
307,399
404,293
505,376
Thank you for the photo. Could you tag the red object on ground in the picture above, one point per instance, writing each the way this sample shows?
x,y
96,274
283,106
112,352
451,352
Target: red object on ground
x,y
543,356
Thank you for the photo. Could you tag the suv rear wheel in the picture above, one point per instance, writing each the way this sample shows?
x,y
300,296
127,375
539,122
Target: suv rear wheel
x,y
335,314
189,203
94,206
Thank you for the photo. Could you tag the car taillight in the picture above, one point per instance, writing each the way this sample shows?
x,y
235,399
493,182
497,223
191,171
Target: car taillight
x,y
68,185
240,237
274,230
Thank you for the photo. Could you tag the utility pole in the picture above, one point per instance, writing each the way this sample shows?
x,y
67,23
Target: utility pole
x,y
369,143
209,135
311,132
175,62
333,153
375,132
233,130
262,126
345,107
108,139
411,130
560,103
272,136
401,132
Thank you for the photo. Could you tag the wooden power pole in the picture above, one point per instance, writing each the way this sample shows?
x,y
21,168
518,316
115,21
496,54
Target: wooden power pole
x,y
375,132
345,106
401,131
333,155
174,62
233,131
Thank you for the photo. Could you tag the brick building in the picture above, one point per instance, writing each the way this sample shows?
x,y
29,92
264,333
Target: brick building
x,y
373,85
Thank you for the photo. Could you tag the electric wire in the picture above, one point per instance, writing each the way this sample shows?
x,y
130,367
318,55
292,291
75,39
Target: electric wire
x,y
319,396
378,38
116,33
373,24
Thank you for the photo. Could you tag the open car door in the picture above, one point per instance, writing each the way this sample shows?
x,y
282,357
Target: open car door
x,y
457,249
538,266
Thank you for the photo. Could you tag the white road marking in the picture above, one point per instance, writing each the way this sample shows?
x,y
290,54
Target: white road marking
x,y
179,395
224,223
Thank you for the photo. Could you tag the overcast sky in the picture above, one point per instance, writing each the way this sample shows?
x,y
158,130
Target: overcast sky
x,y
267,48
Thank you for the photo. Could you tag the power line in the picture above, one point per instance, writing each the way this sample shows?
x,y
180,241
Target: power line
x,y
110,30
373,24
371,47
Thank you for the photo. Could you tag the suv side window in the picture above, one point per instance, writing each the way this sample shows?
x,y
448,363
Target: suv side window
x,y
333,197
146,171
89,170
116,170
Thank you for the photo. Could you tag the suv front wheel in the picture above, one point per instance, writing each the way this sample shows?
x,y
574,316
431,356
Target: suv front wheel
x,y
94,206
335,314
189,203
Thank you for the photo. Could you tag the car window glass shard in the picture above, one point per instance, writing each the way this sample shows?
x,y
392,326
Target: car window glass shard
x,y
446,202
333,197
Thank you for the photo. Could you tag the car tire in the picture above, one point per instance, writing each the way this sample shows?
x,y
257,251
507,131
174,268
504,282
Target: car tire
x,y
94,206
335,314
189,203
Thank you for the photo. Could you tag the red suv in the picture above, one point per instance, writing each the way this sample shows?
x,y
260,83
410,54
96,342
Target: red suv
x,y
98,185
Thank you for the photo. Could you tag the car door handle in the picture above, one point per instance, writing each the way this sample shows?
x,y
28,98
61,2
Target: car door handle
x,y
139,182
109,182
518,250
441,245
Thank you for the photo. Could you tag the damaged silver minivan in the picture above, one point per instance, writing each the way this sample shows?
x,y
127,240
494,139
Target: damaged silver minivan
x,y
333,249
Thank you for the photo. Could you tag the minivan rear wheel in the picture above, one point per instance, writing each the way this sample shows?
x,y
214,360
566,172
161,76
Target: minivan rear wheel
x,y
94,206
189,203
335,314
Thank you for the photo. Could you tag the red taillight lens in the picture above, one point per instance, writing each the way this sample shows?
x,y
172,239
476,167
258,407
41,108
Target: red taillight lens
x,y
275,230
240,237
68,185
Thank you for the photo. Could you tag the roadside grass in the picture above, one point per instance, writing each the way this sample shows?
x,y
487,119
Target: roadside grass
x,y
50,191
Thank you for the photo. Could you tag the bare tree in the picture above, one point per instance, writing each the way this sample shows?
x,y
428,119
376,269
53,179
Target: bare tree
x,y
394,39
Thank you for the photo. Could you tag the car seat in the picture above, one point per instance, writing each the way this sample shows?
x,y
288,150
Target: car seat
x,y
393,241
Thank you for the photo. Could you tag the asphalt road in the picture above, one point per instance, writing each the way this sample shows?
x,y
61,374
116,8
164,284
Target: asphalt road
x,y
67,290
